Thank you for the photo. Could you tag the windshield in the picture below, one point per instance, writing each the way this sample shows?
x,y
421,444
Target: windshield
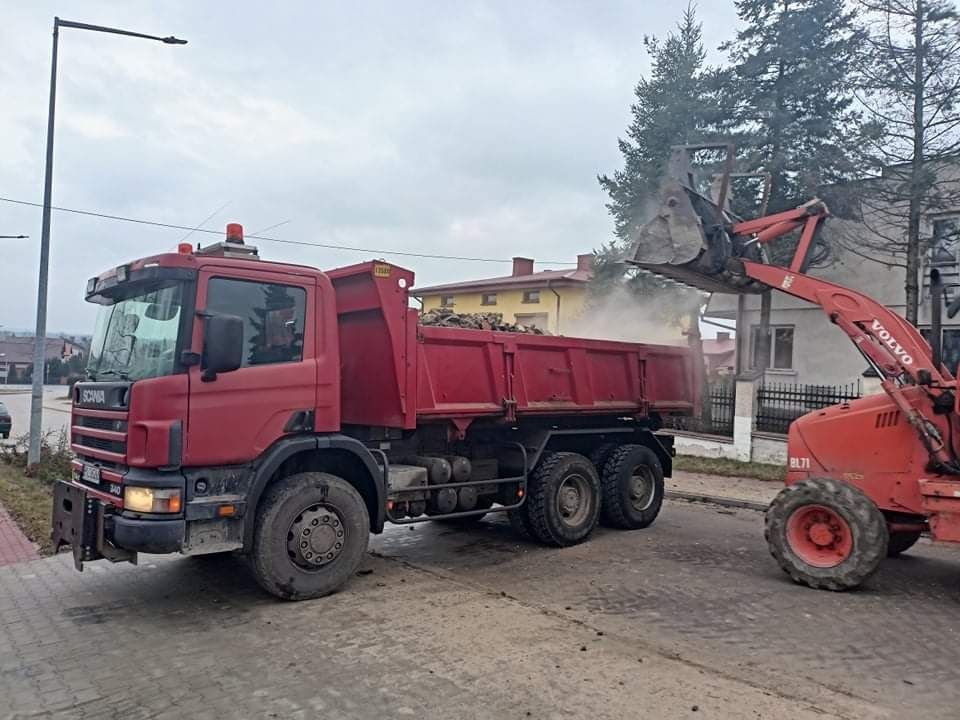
x,y
136,336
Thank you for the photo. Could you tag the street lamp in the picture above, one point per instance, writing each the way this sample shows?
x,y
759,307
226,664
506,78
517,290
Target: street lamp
x,y
39,349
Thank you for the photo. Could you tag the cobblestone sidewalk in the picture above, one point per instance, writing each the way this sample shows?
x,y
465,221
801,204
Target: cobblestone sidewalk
x,y
14,545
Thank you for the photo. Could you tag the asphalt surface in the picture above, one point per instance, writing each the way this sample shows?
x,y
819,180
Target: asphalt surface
x,y
689,618
56,408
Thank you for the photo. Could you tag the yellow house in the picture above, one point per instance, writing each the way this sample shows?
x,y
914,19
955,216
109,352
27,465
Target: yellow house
x,y
545,299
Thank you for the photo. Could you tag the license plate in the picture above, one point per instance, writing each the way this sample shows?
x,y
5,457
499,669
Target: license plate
x,y
91,474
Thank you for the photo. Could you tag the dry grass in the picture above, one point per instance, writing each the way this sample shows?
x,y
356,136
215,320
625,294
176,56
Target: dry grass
x,y
29,501
730,468
29,498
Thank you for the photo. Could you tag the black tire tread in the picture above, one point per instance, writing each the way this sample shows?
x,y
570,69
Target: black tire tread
x,y
260,558
538,498
600,454
902,541
867,524
612,512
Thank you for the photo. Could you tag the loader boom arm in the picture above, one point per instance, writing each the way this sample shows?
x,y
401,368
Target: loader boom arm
x,y
890,343
697,241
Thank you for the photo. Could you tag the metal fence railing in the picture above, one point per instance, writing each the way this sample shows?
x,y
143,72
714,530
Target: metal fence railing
x,y
717,415
779,404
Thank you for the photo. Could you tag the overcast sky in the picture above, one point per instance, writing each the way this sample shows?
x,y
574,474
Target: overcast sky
x,y
465,128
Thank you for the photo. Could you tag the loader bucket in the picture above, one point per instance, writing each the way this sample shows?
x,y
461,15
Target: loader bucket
x,y
687,241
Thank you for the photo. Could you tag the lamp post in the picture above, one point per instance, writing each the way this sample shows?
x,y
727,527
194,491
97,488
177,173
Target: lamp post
x,y
39,348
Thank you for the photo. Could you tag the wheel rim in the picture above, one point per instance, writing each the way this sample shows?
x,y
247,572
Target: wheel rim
x,y
316,537
573,499
642,488
819,536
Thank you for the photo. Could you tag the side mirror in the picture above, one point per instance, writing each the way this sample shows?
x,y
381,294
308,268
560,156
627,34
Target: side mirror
x,y
222,345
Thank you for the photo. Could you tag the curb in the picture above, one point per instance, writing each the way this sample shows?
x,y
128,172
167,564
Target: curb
x,y
716,500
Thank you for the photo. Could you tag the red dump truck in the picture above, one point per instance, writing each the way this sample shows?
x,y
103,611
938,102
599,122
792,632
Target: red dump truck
x,y
238,405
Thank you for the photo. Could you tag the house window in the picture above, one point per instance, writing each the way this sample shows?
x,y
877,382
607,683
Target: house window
x,y
488,299
531,296
950,348
781,347
944,248
446,301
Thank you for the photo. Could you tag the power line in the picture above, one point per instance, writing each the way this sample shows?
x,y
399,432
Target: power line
x,y
328,246
205,221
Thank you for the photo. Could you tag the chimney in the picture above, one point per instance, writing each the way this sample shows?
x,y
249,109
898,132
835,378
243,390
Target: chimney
x,y
721,336
522,266
585,262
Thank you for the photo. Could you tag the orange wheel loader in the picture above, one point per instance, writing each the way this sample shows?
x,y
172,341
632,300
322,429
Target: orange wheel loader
x,y
866,477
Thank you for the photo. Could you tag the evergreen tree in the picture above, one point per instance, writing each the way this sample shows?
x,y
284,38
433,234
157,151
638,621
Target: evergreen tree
x,y
790,103
675,105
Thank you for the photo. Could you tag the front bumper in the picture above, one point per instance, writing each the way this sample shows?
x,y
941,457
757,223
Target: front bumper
x,y
94,529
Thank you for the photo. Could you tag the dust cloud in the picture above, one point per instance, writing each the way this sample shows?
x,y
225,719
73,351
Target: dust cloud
x,y
621,315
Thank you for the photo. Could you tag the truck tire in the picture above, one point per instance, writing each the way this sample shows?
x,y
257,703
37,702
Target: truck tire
x,y
826,534
311,536
901,542
563,499
520,522
631,487
600,454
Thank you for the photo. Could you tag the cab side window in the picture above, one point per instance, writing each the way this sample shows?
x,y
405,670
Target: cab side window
x,y
273,317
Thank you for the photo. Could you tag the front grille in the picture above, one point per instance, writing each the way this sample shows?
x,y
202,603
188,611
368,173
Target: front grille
x,y
99,423
113,446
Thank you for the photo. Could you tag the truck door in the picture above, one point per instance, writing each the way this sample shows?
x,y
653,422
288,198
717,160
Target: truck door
x,y
233,418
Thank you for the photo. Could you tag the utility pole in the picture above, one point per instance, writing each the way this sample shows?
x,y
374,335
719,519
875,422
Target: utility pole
x,y
40,339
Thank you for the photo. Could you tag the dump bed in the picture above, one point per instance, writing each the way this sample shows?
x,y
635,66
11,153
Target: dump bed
x,y
395,373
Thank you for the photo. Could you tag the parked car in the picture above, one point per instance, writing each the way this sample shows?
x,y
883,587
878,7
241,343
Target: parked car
x,y
6,422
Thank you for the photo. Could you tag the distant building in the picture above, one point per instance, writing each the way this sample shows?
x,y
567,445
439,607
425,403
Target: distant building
x,y
544,299
16,354
720,354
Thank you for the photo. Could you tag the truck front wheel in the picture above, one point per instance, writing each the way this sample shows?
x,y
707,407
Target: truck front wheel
x,y
563,499
311,536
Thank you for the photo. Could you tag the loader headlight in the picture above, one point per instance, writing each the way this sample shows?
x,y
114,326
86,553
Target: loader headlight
x,y
151,500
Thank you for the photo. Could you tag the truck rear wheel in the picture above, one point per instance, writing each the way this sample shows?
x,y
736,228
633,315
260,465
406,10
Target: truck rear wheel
x,y
311,536
632,488
826,534
563,499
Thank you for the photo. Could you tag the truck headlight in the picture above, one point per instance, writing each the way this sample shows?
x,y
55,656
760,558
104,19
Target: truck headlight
x,y
151,500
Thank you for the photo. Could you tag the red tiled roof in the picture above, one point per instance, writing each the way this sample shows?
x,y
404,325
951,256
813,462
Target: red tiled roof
x,y
19,349
537,279
713,346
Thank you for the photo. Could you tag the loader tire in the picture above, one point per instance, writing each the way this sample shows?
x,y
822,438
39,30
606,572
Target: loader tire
x,y
902,541
632,488
563,499
311,536
826,534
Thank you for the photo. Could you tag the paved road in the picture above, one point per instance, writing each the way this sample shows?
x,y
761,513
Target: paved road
x,y
56,408
690,613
